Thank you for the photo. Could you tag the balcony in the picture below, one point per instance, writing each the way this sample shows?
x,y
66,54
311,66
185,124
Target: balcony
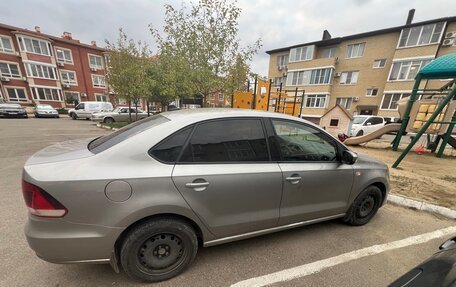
x,y
315,63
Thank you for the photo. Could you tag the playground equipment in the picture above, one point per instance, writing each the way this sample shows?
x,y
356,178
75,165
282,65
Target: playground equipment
x,y
373,135
432,116
263,97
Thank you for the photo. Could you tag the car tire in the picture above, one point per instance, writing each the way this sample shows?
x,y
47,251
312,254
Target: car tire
x,y
364,207
158,250
360,133
74,116
108,120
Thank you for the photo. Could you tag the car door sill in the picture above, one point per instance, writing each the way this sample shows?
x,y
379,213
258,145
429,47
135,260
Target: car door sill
x,y
269,230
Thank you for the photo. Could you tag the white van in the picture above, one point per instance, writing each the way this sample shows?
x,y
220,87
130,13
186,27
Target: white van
x,y
84,110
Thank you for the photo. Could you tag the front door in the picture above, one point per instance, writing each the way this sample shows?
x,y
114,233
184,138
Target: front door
x,y
227,178
315,183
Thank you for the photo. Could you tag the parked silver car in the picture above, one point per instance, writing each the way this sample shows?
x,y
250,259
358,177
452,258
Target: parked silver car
x,y
10,110
45,111
119,114
147,196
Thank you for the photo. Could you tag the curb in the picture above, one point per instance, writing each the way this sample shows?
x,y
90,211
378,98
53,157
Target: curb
x,y
421,205
107,128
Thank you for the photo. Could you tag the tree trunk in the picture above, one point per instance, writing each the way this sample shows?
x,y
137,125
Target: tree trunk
x,y
129,111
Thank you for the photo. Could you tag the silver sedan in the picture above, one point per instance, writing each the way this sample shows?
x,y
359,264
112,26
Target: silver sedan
x,y
119,114
45,111
147,196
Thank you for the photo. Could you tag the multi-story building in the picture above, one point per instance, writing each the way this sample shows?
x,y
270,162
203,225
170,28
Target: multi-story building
x,y
366,73
218,100
37,68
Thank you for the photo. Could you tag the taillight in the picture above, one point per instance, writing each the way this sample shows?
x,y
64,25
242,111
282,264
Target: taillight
x,y
41,203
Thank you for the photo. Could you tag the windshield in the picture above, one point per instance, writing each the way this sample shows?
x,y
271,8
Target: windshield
x,y
359,120
103,143
44,107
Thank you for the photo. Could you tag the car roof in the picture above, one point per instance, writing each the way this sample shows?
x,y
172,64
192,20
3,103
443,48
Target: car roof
x,y
214,113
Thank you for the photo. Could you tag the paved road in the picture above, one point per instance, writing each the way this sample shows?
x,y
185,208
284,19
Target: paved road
x,y
215,266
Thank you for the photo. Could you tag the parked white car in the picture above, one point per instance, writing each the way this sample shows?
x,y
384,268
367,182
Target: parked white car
x,y
119,114
84,110
363,125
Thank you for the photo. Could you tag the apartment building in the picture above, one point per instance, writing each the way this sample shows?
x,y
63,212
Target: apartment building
x,y
218,100
366,73
36,68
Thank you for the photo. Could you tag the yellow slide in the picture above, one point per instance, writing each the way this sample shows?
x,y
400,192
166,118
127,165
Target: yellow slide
x,y
373,135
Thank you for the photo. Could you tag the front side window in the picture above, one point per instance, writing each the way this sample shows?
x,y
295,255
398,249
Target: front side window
x,y
95,62
304,53
228,140
5,45
16,95
315,101
299,142
169,149
421,35
64,55
9,70
98,81
355,50
390,100
349,78
406,70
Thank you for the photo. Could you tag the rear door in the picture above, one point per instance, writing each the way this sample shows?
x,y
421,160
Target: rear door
x,y
315,183
226,176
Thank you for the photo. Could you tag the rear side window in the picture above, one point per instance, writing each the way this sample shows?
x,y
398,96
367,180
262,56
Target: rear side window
x,y
103,143
230,140
169,149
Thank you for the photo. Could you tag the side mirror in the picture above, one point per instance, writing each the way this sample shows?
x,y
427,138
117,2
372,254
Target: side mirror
x,y
447,244
349,157
368,124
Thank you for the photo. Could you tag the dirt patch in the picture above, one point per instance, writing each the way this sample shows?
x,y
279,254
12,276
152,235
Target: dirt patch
x,y
424,177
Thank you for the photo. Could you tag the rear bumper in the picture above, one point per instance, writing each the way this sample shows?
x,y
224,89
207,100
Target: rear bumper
x,y
59,241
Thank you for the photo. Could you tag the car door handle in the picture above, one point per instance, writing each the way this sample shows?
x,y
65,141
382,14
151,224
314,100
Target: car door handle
x,y
197,186
294,179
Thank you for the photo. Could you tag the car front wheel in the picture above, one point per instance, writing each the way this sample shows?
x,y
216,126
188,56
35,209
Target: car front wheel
x,y
158,250
360,133
364,207
74,116
108,120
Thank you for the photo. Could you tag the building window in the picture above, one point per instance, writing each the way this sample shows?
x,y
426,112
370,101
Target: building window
x,y
221,98
279,80
379,63
95,62
47,94
371,92
421,35
282,61
35,46
309,77
5,45
301,53
41,71
98,81
64,55
329,52
349,78
315,101
406,70
101,98
68,77
9,70
355,50
16,95
389,101
334,123
72,98
344,102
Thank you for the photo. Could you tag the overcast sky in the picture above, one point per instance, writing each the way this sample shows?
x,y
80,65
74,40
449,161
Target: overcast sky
x,y
278,23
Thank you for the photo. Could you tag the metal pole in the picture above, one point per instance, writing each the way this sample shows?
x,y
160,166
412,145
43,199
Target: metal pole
x,y
284,103
406,115
278,101
294,103
269,94
254,93
232,100
425,127
446,137
302,102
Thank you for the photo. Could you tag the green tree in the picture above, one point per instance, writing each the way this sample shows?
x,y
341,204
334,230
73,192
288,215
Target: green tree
x,y
128,64
201,48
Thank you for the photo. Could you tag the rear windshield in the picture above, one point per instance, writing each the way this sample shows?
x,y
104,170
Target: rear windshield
x,y
103,143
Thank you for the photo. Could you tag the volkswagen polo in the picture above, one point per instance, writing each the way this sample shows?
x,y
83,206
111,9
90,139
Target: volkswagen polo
x,y
146,197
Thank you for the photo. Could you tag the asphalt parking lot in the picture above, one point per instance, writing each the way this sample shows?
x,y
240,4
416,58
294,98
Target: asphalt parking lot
x,y
224,265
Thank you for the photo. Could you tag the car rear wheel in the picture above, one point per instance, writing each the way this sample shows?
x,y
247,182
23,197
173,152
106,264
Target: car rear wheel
x,y
108,120
364,207
158,250
74,116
